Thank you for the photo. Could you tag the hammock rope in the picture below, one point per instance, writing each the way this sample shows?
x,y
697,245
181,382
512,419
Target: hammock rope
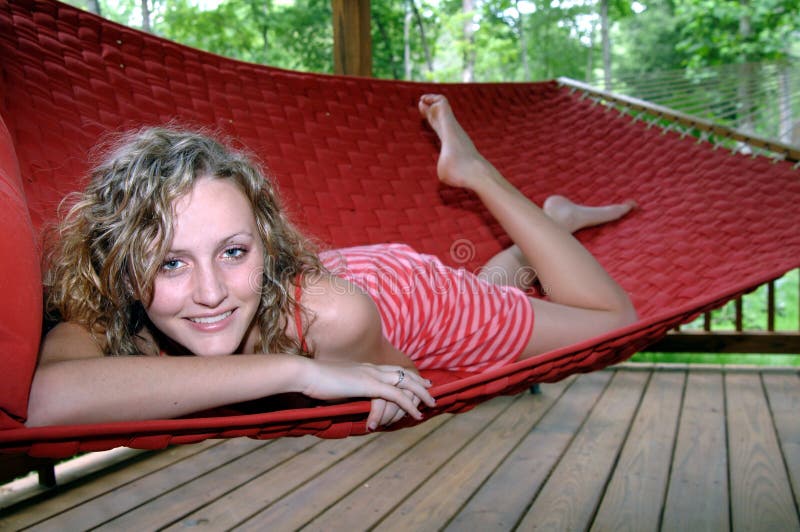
x,y
355,165
716,93
671,120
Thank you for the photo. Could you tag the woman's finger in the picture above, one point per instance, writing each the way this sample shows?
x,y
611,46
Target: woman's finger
x,y
396,395
400,414
397,417
376,413
390,413
419,389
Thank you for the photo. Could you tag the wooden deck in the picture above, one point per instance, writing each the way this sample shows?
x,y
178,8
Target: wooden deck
x,y
623,449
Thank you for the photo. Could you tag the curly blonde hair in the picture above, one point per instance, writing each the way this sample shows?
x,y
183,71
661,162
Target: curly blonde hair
x,y
115,236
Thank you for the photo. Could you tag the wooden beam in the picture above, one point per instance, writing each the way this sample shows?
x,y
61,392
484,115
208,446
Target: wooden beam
x,y
352,39
729,342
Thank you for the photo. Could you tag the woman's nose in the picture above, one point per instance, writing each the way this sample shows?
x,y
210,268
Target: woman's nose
x,y
209,286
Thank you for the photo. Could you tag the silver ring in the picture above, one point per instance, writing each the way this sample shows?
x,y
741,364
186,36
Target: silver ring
x,y
401,375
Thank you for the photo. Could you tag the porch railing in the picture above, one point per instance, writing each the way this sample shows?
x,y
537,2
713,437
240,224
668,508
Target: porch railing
x,y
704,336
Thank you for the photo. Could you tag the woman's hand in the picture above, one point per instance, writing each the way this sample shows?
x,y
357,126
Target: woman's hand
x,y
392,395
384,412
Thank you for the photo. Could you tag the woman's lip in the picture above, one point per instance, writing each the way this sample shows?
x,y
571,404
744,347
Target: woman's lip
x,y
212,326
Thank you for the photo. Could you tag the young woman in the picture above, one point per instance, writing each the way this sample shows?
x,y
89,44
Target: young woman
x,y
179,246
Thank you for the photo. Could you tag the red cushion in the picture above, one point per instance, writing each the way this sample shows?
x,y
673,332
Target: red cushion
x,y
21,287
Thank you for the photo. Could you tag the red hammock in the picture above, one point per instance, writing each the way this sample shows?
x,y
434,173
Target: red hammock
x,y
356,165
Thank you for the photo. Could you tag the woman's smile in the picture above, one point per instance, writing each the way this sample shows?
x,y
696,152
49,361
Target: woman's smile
x,y
210,320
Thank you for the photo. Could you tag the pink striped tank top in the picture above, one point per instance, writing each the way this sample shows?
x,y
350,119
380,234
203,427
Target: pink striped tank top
x,y
441,317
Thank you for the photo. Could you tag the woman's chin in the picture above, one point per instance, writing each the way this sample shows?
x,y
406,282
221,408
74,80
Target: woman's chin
x,y
214,352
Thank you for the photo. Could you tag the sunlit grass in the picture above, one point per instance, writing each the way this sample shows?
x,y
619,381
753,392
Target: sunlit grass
x,y
718,358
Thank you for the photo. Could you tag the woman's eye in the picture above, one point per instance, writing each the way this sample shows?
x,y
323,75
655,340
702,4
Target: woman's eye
x,y
171,265
234,253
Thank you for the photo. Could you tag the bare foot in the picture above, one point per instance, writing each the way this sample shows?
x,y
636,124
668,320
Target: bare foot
x,y
574,217
460,164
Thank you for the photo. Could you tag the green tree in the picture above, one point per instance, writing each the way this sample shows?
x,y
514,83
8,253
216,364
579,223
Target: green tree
x,y
748,33
647,42
608,9
304,36
717,32
227,30
554,39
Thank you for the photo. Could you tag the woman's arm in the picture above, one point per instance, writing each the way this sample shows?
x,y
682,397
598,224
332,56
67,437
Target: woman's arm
x,y
346,326
75,383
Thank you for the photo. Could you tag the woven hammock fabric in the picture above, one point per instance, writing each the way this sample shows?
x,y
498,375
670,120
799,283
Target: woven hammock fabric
x,y
355,164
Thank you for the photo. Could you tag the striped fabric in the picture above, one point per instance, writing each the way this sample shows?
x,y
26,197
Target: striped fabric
x,y
441,317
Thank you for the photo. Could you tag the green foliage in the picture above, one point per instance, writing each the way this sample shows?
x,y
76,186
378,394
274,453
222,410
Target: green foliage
x,y
646,42
389,20
388,23
219,31
304,36
716,32
554,40
296,35
754,308
754,359
512,39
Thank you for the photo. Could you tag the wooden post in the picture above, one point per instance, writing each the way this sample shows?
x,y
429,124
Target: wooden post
x,y
352,40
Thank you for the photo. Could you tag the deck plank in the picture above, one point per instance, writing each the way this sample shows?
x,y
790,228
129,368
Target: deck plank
x,y
167,508
271,485
783,392
87,489
503,498
140,491
635,495
697,497
570,496
432,505
620,449
302,505
393,483
761,496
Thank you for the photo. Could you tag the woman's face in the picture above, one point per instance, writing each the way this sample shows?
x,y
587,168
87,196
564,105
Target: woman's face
x,y
207,291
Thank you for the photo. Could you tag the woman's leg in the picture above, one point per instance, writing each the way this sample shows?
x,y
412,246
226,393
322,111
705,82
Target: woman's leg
x,y
511,268
584,300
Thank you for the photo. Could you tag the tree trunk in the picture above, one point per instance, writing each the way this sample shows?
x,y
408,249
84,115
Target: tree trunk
x,y
746,80
385,39
145,16
424,40
469,41
523,44
263,23
604,24
407,41
786,119
590,55
94,7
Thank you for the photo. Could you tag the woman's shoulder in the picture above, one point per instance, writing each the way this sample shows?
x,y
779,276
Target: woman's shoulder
x,y
331,298
340,312
69,341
